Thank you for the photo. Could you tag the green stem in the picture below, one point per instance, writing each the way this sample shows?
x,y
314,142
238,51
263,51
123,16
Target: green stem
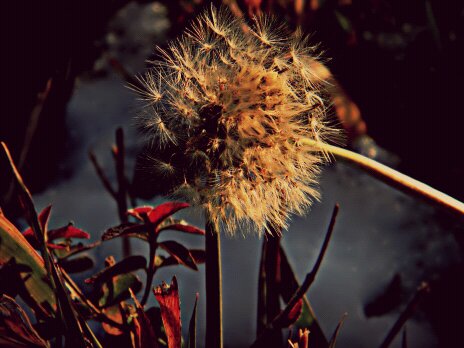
x,y
394,178
213,286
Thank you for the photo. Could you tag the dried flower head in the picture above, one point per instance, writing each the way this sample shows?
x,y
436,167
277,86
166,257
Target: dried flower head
x,y
226,107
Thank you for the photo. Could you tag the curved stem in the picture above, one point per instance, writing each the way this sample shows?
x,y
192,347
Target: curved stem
x,y
394,178
213,286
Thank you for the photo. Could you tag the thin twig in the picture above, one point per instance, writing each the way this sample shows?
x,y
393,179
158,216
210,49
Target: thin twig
x,y
122,192
101,174
421,292
394,178
30,131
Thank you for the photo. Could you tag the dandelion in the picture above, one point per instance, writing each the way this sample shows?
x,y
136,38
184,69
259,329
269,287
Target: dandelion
x,y
227,109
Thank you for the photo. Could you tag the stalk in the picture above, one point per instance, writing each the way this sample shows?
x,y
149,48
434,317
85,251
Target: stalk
x,y
213,286
394,178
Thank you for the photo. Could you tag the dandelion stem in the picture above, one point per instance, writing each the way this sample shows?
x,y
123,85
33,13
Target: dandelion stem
x,y
213,286
394,178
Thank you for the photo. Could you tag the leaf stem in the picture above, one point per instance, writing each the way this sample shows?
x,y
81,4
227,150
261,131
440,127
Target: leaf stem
x,y
394,178
213,286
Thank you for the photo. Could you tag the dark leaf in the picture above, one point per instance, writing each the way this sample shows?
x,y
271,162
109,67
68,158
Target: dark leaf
x,y
143,329
180,253
78,264
307,319
193,326
162,211
15,326
127,229
75,249
168,298
68,231
198,255
124,266
183,228
118,290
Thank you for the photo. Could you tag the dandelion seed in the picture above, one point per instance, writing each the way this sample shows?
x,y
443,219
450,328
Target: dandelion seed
x,y
229,108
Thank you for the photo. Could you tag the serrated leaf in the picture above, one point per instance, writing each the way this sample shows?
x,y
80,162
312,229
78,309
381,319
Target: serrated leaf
x,y
15,327
168,299
180,253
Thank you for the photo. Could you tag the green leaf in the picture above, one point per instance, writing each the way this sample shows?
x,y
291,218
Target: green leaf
x,y
127,265
14,248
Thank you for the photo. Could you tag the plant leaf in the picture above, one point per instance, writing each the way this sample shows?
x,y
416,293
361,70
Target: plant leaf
x,y
136,212
128,229
193,326
77,264
144,334
14,247
197,254
127,265
15,326
168,298
183,228
118,290
164,210
180,253
68,231
307,318
114,313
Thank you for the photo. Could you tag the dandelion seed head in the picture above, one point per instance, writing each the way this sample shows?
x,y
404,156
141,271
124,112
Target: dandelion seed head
x,y
228,108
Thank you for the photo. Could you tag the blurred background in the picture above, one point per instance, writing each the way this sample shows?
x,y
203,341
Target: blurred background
x,y
396,72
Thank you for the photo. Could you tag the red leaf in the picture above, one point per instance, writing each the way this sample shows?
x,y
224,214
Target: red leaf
x,y
145,336
136,212
168,299
183,228
162,211
68,231
43,220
